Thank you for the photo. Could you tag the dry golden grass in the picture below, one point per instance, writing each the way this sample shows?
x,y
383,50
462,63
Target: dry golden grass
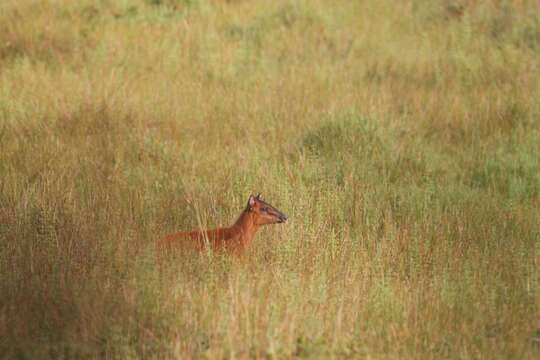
x,y
401,138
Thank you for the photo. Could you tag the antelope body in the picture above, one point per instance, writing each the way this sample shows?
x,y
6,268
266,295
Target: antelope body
x,y
235,238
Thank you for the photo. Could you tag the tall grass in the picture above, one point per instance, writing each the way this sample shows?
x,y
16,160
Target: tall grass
x,y
401,138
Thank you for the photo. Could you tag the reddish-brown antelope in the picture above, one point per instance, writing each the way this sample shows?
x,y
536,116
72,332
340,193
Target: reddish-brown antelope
x,y
235,238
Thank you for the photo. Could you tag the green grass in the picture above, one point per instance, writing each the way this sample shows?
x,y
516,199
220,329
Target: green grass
x,y
401,138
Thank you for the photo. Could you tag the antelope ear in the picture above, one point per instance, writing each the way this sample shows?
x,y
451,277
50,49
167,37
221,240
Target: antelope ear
x,y
258,196
251,201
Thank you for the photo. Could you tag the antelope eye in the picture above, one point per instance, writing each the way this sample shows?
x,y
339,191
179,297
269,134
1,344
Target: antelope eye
x,y
265,209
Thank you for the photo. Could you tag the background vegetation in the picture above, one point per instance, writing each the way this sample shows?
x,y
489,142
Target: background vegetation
x,y
401,137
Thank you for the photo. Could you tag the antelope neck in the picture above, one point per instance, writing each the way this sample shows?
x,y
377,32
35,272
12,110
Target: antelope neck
x,y
246,226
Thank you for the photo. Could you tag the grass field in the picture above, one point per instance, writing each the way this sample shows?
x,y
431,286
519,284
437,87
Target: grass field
x,y
402,138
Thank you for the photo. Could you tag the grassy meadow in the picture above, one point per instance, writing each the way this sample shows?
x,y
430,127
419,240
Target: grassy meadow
x,y
402,138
